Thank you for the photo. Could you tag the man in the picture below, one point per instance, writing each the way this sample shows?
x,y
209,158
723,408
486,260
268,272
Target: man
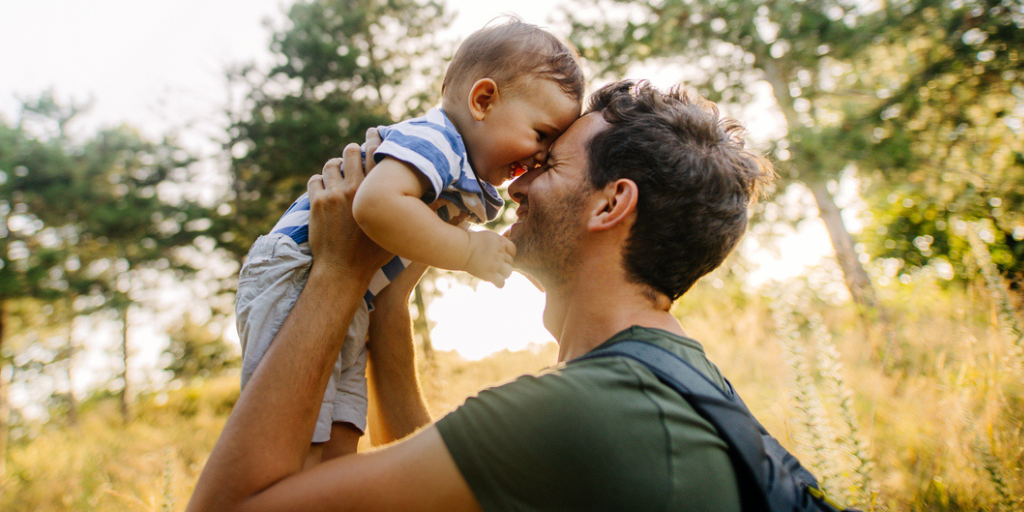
x,y
638,199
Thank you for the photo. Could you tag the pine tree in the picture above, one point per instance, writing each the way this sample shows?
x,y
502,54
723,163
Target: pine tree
x,y
98,218
342,66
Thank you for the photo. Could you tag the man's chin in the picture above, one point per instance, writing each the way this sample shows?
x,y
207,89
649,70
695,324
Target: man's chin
x,y
528,273
513,231
522,262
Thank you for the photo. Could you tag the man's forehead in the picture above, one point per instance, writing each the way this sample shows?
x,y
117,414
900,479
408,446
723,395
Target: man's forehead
x,y
578,135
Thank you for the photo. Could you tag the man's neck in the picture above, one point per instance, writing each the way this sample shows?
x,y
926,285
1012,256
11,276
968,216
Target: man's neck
x,y
585,312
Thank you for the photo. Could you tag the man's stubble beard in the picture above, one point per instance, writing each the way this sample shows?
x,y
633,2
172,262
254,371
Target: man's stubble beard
x,y
546,244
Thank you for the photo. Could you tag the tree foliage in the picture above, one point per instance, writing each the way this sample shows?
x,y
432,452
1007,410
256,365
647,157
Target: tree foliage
x,y
197,349
948,138
340,67
92,222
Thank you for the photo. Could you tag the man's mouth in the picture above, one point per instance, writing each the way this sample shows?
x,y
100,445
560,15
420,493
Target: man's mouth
x,y
521,212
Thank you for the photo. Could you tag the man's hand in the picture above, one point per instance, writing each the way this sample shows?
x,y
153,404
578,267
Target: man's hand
x,y
490,257
336,241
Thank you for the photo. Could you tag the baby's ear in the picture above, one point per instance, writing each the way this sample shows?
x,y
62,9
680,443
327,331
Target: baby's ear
x,y
482,98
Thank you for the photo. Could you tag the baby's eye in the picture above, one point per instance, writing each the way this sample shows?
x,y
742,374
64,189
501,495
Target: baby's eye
x,y
541,136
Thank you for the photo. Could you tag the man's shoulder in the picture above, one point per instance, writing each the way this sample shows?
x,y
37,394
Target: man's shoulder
x,y
601,378
574,395
686,348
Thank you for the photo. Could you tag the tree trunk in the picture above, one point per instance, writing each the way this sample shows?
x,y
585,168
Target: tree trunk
x,y
421,325
125,413
72,403
857,280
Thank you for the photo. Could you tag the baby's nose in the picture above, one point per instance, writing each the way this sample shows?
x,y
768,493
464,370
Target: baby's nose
x,y
540,157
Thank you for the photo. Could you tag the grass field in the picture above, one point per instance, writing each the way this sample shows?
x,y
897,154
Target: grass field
x,y
928,415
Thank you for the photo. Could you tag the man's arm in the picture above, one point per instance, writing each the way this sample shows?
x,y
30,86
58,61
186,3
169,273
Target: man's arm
x,y
256,462
401,408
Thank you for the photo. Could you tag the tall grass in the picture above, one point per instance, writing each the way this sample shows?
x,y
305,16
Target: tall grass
x,y
815,435
859,486
934,423
1009,323
918,404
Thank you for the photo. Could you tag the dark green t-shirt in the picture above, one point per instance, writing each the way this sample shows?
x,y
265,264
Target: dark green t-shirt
x,y
602,434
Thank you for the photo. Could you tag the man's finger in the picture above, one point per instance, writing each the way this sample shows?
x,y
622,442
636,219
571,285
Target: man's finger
x,y
331,173
372,141
437,205
315,181
353,164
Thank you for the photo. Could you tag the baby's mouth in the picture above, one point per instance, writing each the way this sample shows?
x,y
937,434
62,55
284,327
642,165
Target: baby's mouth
x,y
518,169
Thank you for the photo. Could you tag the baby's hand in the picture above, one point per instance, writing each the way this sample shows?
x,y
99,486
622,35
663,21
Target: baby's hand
x,y
490,257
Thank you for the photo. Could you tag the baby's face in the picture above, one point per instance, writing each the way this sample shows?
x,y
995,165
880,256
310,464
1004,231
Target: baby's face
x,y
517,132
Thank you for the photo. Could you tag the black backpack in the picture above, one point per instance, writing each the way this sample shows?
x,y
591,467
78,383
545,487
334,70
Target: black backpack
x,y
769,477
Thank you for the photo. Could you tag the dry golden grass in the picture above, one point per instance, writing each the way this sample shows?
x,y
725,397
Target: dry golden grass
x,y
941,408
935,407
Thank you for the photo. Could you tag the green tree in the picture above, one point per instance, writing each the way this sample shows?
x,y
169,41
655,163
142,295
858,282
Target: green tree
x,y
137,220
98,219
197,349
341,67
948,138
32,251
802,49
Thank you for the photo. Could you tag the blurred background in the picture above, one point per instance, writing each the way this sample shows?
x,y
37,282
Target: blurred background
x,y
872,317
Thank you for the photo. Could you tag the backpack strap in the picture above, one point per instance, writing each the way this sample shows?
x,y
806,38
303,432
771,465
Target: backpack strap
x,y
759,460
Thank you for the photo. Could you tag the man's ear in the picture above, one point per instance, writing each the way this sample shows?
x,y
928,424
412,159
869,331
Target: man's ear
x,y
615,204
483,96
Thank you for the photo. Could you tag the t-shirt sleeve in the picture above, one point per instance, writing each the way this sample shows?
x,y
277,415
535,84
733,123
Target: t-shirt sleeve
x,y
550,442
432,149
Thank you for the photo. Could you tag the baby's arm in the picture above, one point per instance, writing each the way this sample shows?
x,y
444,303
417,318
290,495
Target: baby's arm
x,y
389,208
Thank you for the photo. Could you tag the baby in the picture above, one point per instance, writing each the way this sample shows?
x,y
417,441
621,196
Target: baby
x,y
510,90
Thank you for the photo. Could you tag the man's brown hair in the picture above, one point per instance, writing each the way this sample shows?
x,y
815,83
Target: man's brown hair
x,y
694,175
510,52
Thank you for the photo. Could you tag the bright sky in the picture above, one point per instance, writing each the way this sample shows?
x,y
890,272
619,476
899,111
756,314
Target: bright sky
x,y
158,64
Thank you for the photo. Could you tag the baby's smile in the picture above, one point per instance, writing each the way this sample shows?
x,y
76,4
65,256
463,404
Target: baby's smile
x,y
518,169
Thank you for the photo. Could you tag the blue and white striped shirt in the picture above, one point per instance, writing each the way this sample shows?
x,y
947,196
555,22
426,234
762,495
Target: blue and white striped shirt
x,y
432,146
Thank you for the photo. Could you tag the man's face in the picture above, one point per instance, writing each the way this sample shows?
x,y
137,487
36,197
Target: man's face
x,y
552,205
